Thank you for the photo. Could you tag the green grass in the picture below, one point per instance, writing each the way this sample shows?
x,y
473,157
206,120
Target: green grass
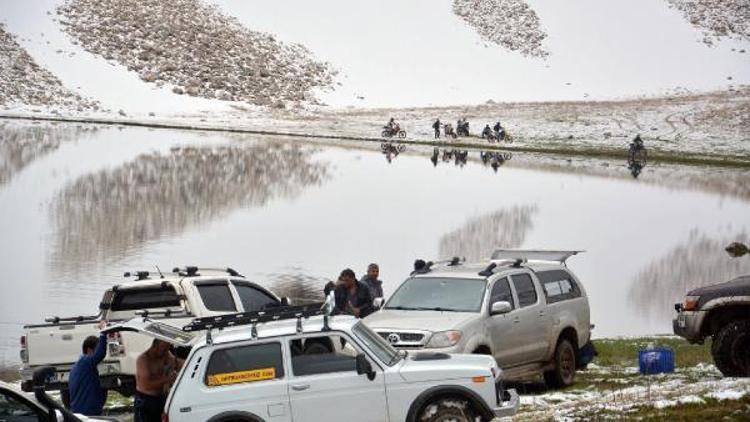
x,y
711,410
624,352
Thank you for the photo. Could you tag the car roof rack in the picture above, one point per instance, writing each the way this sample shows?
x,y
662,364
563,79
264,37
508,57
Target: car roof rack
x,y
519,256
253,318
193,271
452,262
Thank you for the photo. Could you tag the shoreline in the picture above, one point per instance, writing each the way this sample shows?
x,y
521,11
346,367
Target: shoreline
x,y
588,150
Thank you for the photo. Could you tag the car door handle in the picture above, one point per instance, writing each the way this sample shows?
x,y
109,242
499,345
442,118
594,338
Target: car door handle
x,y
516,320
541,313
300,387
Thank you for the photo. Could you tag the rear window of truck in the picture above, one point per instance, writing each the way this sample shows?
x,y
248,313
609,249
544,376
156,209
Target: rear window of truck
x,y
145,298
558,285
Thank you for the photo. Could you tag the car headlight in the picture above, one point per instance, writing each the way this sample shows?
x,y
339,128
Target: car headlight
x,y
691,303
444,339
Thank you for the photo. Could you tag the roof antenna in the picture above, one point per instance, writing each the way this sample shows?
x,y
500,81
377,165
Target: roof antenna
x,y
159,271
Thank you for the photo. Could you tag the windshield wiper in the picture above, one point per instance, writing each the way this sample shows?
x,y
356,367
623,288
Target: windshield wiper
x,y
435,308
402,308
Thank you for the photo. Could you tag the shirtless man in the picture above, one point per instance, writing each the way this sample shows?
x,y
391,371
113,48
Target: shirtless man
x,y
155,371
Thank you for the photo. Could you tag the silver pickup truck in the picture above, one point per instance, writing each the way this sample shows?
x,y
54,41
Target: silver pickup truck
x,y
525,308
174,298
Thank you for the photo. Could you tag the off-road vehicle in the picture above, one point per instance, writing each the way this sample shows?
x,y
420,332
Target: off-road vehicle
x,y
525,308
722,312
256,368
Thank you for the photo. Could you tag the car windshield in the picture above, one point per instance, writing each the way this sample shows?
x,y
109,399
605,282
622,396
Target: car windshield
x,y
374,342
439,294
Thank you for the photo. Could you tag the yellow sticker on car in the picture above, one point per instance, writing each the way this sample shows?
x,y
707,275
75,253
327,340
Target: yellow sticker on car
x,y
242,376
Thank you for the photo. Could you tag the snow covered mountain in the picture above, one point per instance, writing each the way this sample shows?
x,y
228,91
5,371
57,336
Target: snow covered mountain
x,y
404,53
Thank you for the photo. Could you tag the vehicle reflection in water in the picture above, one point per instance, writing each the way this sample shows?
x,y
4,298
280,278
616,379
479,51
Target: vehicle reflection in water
x,y
391,150
636,165
297,285
21,144
494,158
104,216
699,261
479,236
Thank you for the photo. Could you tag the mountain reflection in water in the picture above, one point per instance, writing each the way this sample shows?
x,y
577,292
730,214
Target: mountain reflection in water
x,y
479,236
699,261
22,143
104,216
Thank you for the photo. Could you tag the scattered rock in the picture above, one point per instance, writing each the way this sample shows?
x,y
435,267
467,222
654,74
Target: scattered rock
x,y
196,48
151,114
121,112
24,82
511,24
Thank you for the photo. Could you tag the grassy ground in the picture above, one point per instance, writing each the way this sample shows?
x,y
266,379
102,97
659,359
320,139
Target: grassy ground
x,y
613,389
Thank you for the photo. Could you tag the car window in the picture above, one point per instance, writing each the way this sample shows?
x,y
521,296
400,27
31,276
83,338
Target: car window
x,y
439,293
322,355
216,296
501,292
558,285
524,289
244,364
253,299
12,409
145,298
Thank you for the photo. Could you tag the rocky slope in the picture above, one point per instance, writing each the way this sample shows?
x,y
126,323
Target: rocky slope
x,y
23,81
196,48
728,18
511,24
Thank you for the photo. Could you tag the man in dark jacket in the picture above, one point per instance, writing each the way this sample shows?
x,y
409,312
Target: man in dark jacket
x,y
352,297
372,282
436,126
86,394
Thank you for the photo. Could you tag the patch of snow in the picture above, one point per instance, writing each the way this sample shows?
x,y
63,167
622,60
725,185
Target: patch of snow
x,y
728,394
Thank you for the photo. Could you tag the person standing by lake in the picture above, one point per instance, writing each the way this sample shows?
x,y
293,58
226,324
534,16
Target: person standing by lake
x,y
351,296
87,397
371,281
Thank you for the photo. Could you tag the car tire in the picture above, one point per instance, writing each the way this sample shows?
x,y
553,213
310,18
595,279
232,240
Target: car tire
x,y
730,349
448,410
564,374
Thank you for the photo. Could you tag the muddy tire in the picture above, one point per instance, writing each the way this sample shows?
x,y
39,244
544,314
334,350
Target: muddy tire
x,y
730,349
448,410
385,134
402,134
564,374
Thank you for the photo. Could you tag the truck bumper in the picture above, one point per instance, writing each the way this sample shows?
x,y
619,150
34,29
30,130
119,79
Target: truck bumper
x,y
688,325
508,407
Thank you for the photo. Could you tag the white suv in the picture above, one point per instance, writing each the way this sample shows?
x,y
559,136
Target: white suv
x,y
260,371
525,308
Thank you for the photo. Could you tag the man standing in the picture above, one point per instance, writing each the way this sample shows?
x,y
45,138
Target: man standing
x,y
155,370
372,282
436,126
352,297
86,394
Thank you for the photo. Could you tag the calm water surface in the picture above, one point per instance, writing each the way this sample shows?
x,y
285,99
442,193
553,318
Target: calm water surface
x,y
81,205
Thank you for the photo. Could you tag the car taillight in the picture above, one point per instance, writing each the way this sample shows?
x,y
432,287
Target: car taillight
x,y
23,341
164,417
691,303
114,344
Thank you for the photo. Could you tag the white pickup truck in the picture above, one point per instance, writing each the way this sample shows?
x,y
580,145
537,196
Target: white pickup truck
x,y
176,298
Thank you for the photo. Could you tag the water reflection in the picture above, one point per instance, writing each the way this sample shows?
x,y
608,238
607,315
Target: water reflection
x,y
699,261
103,216
391,150
22,143
298,285
479,236
494,159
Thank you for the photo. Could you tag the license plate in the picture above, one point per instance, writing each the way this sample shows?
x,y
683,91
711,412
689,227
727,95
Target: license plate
x,y
681,321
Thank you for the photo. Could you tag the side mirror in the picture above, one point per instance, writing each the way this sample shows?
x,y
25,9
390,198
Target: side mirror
x,y
378,302
364,367
501,307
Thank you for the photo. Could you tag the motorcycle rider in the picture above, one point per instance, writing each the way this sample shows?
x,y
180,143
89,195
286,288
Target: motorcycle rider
x,y
436,126
486,132
637,142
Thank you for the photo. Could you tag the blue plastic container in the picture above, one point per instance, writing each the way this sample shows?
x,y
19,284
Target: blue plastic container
x,y
656,360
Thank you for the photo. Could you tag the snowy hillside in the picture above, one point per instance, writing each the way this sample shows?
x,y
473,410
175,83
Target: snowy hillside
x,y
396,53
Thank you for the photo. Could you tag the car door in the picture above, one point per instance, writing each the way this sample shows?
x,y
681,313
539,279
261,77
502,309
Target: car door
x,y
530,319
14,408
326,386
502,328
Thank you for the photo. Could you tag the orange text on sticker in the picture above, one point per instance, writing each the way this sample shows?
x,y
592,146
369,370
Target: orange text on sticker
x,y
242,376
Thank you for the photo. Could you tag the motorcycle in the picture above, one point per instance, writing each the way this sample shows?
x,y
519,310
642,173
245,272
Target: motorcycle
x,y
391,132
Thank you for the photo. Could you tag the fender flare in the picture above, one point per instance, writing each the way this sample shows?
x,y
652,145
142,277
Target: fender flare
x,y
234,415
476,342
449,390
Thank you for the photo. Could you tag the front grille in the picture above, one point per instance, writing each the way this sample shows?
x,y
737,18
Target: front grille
x,y
404,339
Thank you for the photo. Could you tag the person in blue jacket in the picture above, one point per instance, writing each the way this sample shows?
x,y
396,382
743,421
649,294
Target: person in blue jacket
x,y
86,394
